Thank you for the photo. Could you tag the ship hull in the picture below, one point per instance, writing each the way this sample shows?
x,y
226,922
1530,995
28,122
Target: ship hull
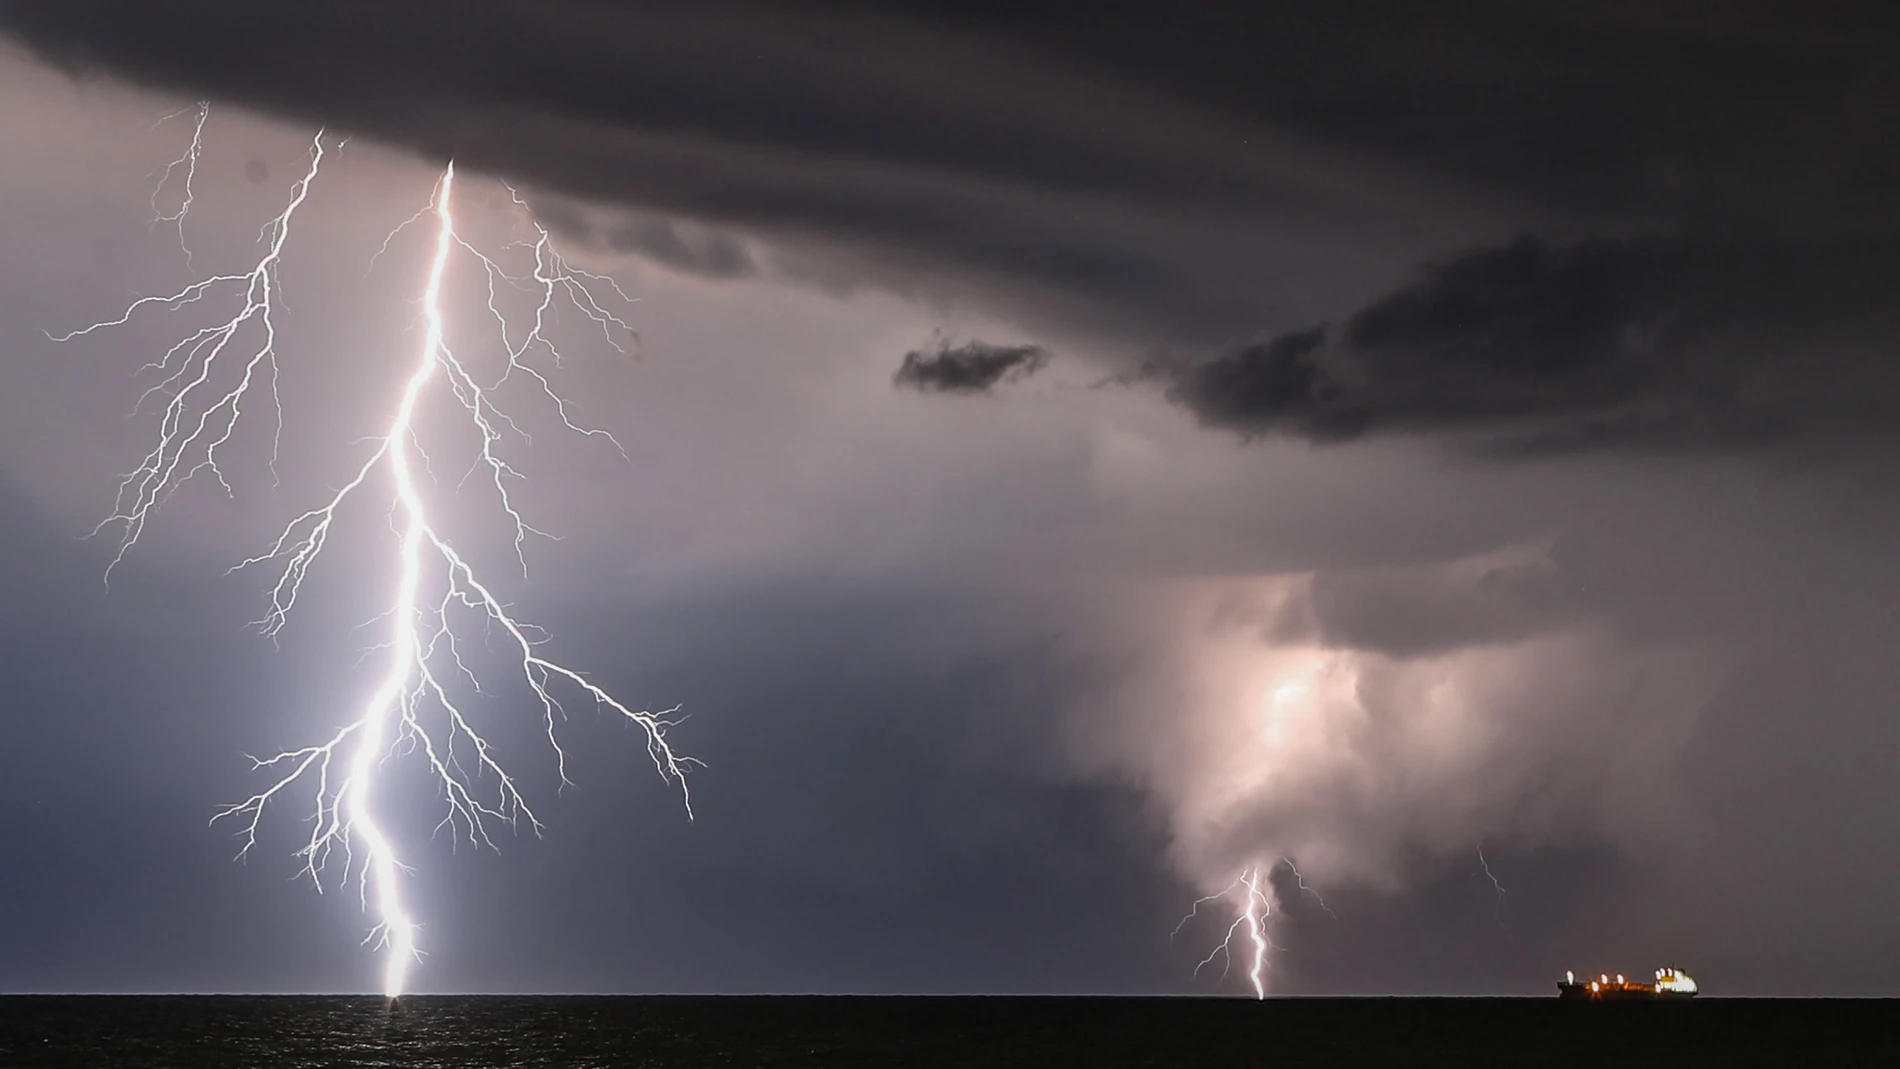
x,y
1582,993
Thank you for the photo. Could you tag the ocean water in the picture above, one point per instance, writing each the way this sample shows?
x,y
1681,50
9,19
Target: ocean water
x,y
560,1032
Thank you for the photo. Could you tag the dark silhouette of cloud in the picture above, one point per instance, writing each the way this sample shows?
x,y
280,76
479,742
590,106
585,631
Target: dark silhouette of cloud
x,y
677,244
1191,179
973,367
1546,346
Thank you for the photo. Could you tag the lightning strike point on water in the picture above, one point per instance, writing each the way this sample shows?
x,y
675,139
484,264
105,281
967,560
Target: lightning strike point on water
x,y
1252,899
206,378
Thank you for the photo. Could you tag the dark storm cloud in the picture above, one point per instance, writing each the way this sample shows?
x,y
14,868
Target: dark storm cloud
x,y
1644,343
1167,171
673,243
972,367
863,134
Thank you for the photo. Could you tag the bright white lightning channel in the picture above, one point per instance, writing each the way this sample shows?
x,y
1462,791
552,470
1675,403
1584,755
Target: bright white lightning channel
x,y
1250,894
199,418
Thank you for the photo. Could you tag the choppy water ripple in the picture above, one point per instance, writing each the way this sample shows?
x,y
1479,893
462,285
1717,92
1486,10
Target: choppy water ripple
x,y
694,1033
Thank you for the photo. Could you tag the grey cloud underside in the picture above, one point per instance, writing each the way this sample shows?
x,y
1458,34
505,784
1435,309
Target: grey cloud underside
x,y
924,155
973,367
1539,346
673,243
1186,179
1421,612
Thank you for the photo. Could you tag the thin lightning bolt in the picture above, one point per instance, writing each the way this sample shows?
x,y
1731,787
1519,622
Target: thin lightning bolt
x,y
199,419
434,581
1300,882
1255,906
1486,866
1497,908
188,161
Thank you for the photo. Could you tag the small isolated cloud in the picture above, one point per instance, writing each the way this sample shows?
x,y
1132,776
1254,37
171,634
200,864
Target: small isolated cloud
x,y
971,368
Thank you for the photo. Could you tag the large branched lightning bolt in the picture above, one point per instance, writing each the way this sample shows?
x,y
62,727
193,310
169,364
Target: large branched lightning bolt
x,y
412,710
1253,904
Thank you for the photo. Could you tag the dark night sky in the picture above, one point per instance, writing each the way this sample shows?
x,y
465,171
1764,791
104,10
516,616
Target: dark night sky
x,y
1073,453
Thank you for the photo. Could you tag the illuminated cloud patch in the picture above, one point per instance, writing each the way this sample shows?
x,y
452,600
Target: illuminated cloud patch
x,y
1296,730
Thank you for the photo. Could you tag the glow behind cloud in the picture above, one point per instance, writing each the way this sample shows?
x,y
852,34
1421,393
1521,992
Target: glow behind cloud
x,y
1354,763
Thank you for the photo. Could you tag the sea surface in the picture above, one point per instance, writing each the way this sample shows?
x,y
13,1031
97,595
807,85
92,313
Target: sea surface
x,y
562,1032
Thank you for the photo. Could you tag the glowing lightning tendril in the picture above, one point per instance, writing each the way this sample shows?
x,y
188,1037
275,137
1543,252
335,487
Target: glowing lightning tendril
x,y
188,161
1299,881
189,366
1254,907
199,418
1489,875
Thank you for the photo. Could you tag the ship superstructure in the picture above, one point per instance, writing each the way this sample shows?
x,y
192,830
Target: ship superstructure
x,y
1671,984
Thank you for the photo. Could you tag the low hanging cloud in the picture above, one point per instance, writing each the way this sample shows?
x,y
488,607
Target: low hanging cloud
x,y
679,245
970,368
1653,343
1300,727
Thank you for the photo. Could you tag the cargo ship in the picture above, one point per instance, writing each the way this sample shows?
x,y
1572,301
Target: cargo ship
x,y
1672,984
